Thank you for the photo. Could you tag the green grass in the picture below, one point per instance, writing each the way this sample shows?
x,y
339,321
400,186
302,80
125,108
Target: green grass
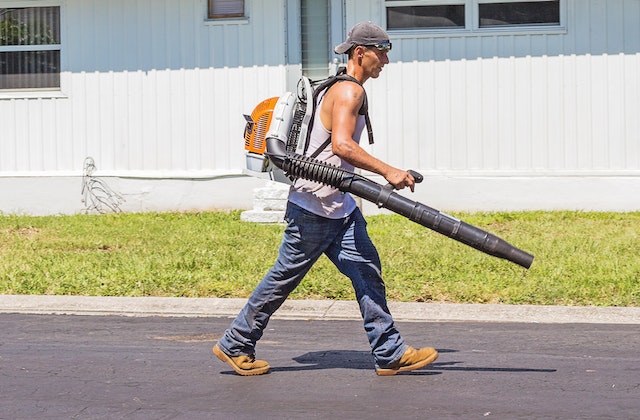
x,y
580,258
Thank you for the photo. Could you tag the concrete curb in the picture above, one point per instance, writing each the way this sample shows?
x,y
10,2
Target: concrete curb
x,y
314,309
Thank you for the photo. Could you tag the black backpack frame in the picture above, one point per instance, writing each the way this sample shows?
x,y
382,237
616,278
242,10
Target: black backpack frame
x,y
301,128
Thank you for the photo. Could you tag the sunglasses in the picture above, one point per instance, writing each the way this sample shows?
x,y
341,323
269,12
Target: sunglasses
x,y
381,46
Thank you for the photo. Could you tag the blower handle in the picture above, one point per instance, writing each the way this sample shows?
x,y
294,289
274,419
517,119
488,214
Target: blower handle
x,y
416,176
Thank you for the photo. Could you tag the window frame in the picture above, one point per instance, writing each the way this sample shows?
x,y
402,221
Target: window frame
x,y
37,92
226,18
472,20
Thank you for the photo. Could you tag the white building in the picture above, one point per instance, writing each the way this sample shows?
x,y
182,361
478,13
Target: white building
x,y
501,105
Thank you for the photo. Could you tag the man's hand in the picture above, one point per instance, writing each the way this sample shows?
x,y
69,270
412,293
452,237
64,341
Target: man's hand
x,y
400,179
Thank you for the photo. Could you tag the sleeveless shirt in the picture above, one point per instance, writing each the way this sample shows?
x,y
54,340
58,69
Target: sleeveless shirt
x,y
318,198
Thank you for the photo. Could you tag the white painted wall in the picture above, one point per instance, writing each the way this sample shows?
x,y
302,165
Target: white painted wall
x,y
151,90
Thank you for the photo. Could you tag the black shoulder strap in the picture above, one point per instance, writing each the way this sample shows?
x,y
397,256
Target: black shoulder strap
x,y
319,150
322,87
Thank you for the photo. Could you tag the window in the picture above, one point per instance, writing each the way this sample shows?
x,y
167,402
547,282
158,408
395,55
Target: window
x,y
30,47
416,17
519,13
223,9
472,15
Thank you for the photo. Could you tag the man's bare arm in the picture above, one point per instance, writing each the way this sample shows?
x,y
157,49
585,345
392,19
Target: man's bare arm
x,y
346,102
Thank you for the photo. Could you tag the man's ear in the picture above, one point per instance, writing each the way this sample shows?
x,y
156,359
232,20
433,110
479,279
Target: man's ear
x,y
359,51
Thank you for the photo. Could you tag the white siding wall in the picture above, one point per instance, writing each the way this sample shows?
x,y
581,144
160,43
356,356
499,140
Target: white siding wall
x,y
560,104
557,114
151,89
169,120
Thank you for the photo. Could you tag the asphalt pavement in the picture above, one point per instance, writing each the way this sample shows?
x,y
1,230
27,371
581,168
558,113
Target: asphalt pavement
x,y
150,358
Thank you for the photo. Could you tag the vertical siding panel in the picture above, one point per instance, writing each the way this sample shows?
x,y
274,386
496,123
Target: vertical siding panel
x,y
630,19
613,23
599,77
395,108
45,157
581,26
62,146
631,69
159,59
404,135
615,111
427,117
227,119
221,127
70,156
554,129
120,122
170,25
90,113
8,144
507,130
632,110
540,103
473,114
491,118
23,136
615,86
460,155
205,104
150,94
229,149
128,44
459,119
144,34
599,113
163,146
442,115
190,19
444,146
570,84
539,107
584,115
7,134
598,34
571,118
75,123
193,154
136,131
105,114
490,88
522,111
176,112
473,111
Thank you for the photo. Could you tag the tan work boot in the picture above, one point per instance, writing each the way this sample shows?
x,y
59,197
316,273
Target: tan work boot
x,y
243,365
412,359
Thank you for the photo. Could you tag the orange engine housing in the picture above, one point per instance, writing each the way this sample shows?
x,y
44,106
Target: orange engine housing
x,y
256,130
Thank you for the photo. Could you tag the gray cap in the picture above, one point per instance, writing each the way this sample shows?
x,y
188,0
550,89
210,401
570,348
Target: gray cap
x,y
364,33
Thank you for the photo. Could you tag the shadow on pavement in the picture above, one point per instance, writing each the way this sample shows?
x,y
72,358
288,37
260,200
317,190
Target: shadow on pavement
x,y
448,366
356,359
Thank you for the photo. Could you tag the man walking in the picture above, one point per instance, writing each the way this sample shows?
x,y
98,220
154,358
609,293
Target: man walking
x,y
323,220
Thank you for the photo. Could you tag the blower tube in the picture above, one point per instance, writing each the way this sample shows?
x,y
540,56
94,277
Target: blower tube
x,y
299,166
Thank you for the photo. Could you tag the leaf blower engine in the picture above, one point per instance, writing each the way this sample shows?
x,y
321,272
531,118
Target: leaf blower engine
x,y
275,138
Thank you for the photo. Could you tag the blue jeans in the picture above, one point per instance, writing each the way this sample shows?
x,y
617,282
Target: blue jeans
x,y
347,244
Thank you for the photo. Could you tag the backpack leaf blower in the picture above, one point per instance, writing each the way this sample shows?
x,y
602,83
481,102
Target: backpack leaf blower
x,y
268,136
